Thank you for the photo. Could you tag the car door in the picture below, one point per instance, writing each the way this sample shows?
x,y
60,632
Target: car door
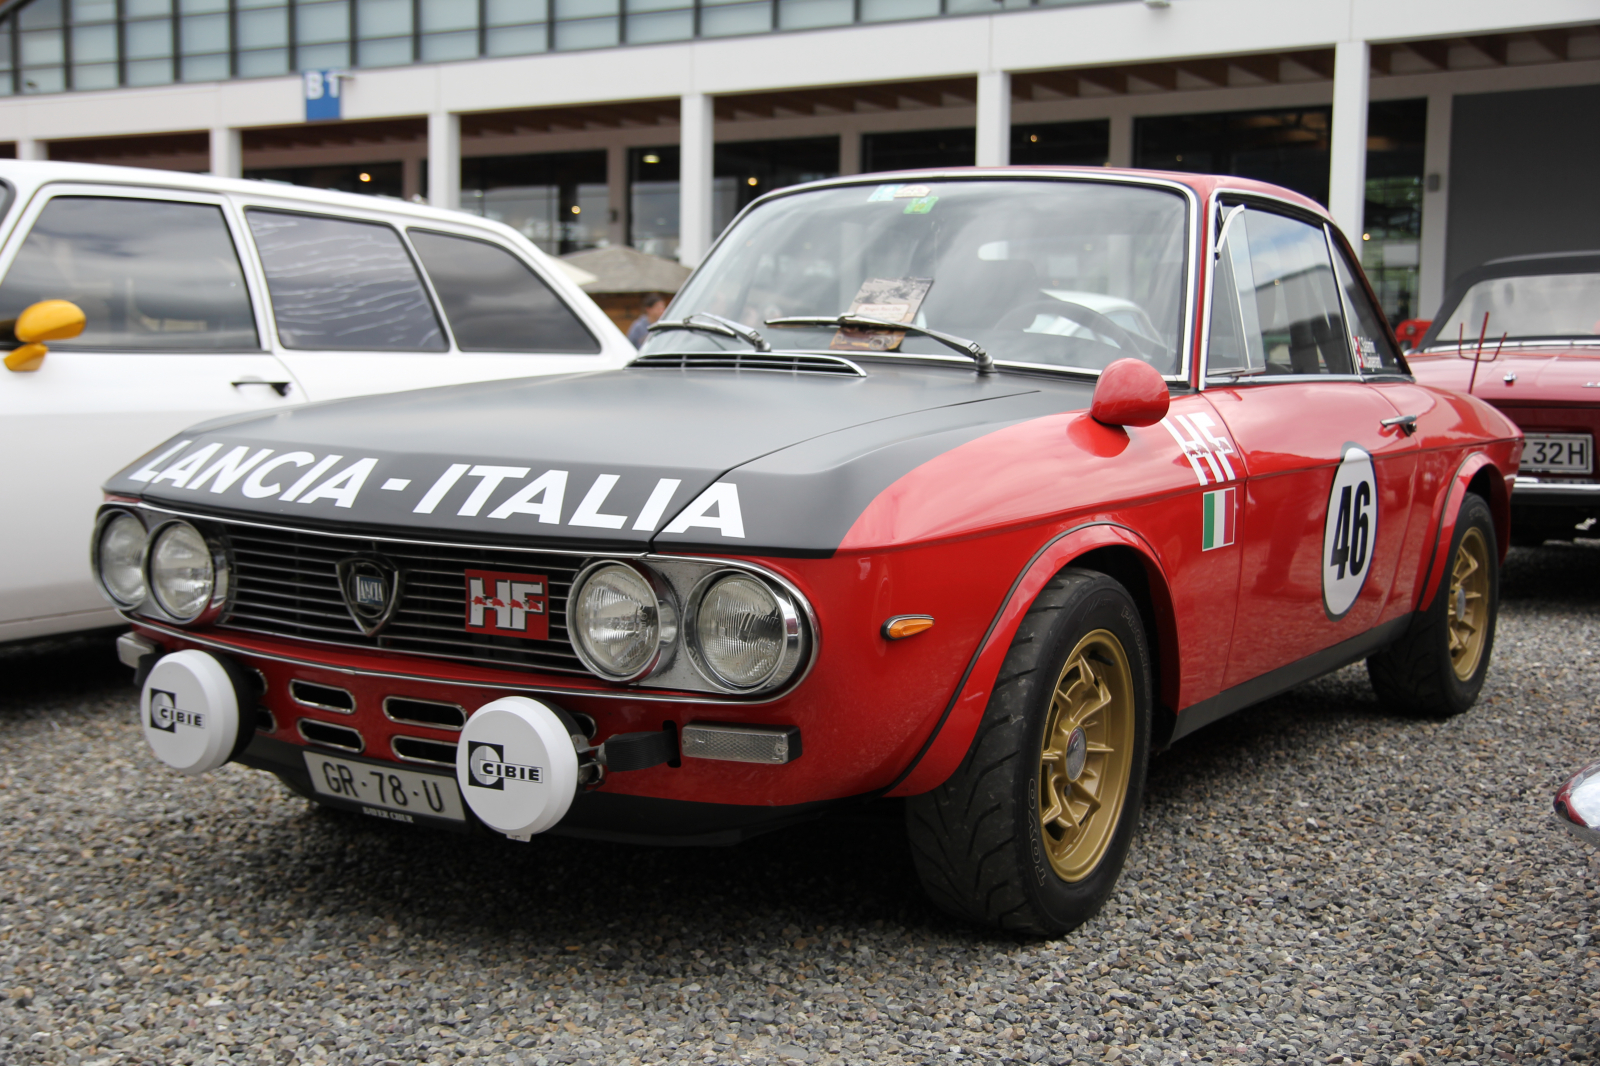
x,y
171,338
355,312
1329,486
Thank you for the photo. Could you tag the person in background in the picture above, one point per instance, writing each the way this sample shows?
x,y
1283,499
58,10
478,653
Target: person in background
x,y
654,304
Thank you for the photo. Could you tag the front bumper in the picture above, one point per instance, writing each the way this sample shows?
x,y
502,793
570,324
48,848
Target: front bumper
x,y
1545,492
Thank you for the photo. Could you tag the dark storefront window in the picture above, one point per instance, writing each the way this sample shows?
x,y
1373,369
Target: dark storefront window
x,y
1075,144
1286,147
377,179
745,170
653,200
1392,233
558,200
908,149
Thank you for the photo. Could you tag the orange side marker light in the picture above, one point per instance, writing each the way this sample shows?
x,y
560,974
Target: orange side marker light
x,y
902,626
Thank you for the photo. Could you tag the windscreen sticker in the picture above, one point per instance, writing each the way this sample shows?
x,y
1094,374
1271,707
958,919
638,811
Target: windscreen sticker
x,y
1350,531
490,494
883,193
921,205
911,192
1206,445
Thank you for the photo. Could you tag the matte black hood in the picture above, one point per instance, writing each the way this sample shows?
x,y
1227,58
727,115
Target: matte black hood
x,y
741,462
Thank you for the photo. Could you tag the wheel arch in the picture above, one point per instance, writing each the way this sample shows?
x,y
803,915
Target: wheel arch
x,y
1479,475
1107,547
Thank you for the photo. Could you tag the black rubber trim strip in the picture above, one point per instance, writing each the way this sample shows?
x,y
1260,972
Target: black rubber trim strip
x,y
972,664
1438,529
1237,698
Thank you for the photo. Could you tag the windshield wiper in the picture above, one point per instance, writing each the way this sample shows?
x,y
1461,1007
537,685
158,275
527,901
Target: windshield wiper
x,y
706,322
971,349
1236,372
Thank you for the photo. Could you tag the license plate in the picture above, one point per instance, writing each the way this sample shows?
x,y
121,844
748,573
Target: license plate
x,y
1558,453
386,792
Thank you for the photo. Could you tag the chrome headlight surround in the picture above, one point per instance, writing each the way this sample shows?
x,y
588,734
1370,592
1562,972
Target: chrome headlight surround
x,y
791,655
666,610
96,545
216,601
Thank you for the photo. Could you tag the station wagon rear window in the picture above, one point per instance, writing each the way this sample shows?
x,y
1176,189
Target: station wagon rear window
x,y
341,285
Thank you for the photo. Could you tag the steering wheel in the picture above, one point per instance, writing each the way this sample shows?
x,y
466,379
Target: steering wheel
x,y
1083,316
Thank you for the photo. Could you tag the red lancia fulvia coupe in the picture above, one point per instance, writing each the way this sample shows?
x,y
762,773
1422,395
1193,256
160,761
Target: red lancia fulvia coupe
x,y
968,487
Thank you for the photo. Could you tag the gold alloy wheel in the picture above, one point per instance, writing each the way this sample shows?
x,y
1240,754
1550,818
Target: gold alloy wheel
x,y
1469,603
1087,755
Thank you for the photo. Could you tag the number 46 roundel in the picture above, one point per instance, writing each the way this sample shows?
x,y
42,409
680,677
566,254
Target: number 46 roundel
x,y
1350,532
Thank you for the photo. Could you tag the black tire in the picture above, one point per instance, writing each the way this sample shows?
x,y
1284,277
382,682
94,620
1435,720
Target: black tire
x,y
1419,675
979,841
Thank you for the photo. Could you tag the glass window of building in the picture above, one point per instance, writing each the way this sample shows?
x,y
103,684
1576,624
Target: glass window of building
x,y
42,47
1391,242
1062,144
907,149
449,29
95,48
587,24
727,18
376,179
1286,147
263,37
322,34
515,27
745,170
649,21
385,28
558,201
653,200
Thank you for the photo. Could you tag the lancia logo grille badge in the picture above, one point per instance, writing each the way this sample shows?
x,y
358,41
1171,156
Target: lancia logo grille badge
x,y
370,585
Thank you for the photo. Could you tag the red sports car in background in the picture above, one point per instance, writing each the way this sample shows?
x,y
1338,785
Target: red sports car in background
x,y
967,487
1524,334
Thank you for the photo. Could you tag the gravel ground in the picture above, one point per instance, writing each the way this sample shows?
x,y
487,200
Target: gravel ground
x,y
1315,883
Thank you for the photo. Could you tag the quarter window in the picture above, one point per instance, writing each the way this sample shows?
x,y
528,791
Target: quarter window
x,y
494,302
1275,307
341,285
148,274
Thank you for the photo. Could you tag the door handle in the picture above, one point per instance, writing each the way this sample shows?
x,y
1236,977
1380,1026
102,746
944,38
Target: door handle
x,y
279,387
1406,423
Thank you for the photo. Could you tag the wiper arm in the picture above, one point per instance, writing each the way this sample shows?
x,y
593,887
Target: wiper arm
x,y
1236,372
971,349
706,322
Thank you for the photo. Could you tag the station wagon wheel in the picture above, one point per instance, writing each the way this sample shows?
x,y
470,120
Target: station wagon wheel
x,y
1083,769
1031,831
1438,667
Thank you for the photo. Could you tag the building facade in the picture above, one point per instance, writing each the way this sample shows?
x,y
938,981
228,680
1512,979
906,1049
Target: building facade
x,y
1439,132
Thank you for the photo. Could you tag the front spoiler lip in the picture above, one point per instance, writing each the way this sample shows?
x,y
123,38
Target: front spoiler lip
x,y
250,649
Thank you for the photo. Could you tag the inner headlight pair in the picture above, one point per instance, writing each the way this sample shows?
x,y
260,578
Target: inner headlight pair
x,y
743,634
175,566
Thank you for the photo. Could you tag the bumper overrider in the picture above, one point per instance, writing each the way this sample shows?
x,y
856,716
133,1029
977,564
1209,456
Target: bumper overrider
x,y
474,688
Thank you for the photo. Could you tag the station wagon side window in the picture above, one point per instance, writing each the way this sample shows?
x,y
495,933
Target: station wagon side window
x,y
1375,351
493,302
1276,309
150,275
342,285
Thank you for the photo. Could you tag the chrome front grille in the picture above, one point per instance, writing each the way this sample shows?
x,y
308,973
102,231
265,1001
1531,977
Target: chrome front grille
x,y
286,584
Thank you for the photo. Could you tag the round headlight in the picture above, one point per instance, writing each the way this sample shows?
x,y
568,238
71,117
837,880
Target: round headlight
x,y
746,634
119,559
182,574
618,621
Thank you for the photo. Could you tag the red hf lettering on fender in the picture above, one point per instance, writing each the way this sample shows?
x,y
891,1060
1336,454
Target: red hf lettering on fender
x,y
508,605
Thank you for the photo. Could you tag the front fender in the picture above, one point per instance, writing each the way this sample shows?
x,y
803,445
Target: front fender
x,y
1474,467
952,735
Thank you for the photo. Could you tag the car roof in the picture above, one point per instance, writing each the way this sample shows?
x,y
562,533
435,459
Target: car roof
x,y
28,175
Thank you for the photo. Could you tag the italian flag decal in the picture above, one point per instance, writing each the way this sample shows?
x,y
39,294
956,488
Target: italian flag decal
x,y
1219,520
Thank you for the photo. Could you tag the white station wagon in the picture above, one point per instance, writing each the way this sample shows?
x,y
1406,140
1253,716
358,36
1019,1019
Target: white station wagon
x,y
205,297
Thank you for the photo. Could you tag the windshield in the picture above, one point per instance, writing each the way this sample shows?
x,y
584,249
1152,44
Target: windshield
x,y
1538,305
1071,274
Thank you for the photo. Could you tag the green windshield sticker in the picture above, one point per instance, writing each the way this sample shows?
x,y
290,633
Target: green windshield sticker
x,y
883,192
921,205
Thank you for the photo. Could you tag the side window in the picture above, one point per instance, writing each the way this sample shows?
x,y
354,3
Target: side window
x,y
150,275
494,302
341,285
1367,325
1275,306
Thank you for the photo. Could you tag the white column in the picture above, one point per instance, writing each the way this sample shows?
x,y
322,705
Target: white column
x,y
28,148
1119,149
695,145
994,119
444,159
1347,148
226,153
617,193
849,151
1435,205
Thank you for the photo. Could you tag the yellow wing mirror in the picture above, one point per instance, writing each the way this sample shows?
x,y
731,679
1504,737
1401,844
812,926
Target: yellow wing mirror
x,y
47,320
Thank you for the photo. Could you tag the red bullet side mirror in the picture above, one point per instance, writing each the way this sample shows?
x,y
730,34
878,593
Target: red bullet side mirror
x,y
1129,393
